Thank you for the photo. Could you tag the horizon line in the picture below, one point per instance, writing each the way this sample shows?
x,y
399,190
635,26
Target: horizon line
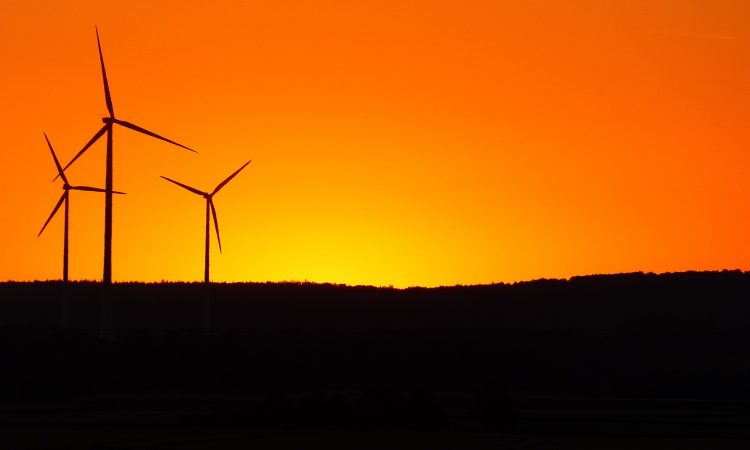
x,y
389,286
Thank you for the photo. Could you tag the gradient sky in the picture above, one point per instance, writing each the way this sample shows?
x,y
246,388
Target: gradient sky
x,y
401,143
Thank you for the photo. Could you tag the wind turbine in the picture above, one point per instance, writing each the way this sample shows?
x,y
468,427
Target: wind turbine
x,y
108,127
65,198
210,211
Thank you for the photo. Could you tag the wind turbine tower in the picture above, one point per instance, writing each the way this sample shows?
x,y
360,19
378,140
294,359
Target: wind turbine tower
x,y
210,211
65,198
108,127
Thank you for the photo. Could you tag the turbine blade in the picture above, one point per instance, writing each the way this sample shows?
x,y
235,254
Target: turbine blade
x,y
54,210
191,189
107,95
87,188
223,183
57,163
85,147
92,189
150,133
216,222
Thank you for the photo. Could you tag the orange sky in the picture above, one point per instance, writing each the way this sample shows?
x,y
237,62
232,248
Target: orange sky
x,y
420,142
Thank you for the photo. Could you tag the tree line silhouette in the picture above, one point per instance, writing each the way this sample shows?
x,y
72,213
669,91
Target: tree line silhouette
x,y
322,355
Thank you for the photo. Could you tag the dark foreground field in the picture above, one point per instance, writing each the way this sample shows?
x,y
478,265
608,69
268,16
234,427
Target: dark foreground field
x,y
625,361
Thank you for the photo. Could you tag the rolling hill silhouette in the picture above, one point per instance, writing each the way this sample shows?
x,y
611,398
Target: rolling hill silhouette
x,y
623,355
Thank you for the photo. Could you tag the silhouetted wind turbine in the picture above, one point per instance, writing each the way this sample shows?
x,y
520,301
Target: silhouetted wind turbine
x,y
65,198
210,211
109,123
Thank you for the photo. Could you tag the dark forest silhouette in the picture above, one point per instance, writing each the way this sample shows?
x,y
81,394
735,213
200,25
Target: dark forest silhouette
x,y
621,352
596,303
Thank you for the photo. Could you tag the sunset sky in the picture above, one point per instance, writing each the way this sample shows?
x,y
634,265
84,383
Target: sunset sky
x,y
394,142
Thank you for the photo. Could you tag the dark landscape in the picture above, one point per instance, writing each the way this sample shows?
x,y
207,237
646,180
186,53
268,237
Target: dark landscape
x,y
607,361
